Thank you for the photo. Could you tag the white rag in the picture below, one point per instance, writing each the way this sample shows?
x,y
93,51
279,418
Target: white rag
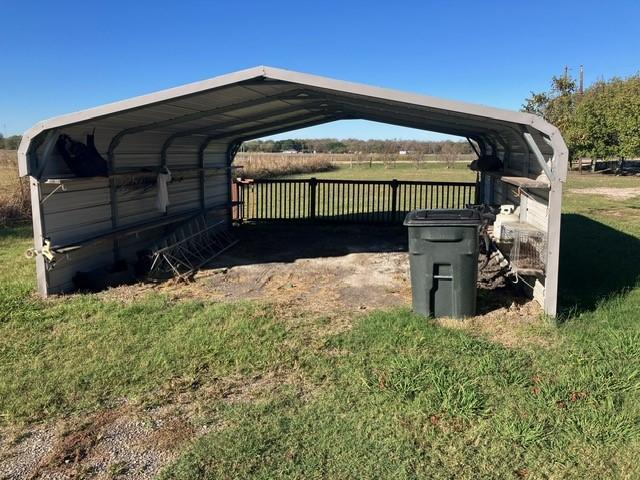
x,y
162,199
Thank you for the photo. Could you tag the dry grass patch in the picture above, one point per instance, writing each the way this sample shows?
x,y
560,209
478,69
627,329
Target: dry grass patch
x,y
9,158
15,205
15,201
520,325
615,193
265,165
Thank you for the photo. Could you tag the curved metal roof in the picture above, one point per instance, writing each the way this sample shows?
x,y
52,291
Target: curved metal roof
x,y
263,100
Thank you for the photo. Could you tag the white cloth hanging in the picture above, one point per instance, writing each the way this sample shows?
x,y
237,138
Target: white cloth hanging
x,y
162,199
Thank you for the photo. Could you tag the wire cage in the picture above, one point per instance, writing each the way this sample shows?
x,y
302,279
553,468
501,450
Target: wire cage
x,y
528,246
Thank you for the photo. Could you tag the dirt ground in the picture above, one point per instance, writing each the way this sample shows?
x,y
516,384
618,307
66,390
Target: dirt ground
x,y
337,272
314,269
305,271
317,270
615,193
123,442
129,441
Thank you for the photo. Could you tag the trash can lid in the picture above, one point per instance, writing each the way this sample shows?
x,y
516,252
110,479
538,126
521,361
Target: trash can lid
x,y
464,217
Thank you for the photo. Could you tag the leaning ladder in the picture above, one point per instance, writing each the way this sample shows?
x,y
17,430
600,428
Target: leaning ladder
x,y
189,247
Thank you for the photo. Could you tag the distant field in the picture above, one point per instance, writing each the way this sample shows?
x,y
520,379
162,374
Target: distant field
x,y
260,165
275,165
8,171
8,157
14,192
401,171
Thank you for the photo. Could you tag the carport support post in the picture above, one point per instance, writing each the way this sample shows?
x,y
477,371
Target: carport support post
x,y
553,249
38,238
313,183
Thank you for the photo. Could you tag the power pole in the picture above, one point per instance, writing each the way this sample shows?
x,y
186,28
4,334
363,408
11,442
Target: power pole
x,y
581,92
581,88
566,72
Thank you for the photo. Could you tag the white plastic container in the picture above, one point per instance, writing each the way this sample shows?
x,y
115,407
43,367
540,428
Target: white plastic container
x,y
508,214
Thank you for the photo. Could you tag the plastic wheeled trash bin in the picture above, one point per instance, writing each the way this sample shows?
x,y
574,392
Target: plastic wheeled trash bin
x,y
443,257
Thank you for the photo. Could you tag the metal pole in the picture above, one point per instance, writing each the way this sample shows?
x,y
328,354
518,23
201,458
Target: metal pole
x,y
394,199
312,197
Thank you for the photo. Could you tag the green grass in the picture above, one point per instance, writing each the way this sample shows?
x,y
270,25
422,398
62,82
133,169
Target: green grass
x,y
396,396
623,215
407,399
600,245
80,353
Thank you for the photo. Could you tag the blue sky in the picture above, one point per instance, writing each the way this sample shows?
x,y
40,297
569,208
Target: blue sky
x,y
64,56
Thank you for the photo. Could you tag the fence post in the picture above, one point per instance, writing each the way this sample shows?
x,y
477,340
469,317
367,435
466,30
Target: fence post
x,y
394,199
313,182
236,215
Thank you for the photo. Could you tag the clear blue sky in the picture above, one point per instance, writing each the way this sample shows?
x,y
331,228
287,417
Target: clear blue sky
x,y
62,56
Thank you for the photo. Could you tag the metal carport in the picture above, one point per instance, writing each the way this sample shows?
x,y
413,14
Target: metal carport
x,y
196,129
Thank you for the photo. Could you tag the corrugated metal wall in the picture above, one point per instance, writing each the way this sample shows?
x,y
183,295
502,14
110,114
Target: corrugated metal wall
x,y
217,179
83,210
535,208
519,160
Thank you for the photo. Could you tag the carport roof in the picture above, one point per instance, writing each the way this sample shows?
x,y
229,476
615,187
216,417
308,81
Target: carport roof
x,y
263,100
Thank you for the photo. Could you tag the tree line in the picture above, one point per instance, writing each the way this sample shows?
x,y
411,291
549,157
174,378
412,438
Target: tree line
x,y
601,122
352,145
10,143
329,145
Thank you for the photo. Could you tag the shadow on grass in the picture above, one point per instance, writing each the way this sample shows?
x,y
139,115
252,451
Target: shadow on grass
x,y
596,262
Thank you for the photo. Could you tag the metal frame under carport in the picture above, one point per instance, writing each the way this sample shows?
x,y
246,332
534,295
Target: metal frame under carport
x,y
198,127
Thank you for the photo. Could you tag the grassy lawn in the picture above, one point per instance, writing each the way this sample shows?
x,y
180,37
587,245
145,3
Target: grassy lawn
x,y
458,172
395,396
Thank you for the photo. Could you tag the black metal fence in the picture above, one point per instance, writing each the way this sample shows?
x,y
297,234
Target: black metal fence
x,y
352,201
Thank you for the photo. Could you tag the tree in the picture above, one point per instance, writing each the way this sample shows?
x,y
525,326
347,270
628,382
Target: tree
x,y
12,142
603,122
354,145
593,133
556,106
537,103
337,147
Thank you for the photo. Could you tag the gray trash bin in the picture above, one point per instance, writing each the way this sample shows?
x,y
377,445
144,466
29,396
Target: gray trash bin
x,y
443,257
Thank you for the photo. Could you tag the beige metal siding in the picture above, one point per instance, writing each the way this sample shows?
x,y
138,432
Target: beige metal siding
x,y
217,182
184,194
536,210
